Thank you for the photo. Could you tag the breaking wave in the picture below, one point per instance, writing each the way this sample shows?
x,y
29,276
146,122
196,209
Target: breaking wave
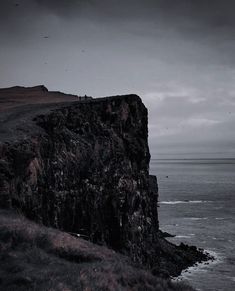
x,y
183,201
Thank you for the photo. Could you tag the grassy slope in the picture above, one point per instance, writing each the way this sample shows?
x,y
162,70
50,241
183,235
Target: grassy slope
x,y
33,257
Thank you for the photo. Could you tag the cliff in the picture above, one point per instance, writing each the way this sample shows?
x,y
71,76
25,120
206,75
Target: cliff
x,y
83,167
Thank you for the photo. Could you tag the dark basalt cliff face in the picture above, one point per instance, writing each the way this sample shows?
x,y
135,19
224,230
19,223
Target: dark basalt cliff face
x,y
88,173
83,167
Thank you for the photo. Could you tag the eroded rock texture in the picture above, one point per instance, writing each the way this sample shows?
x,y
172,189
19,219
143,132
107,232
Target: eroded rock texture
x,y
83,167
87,173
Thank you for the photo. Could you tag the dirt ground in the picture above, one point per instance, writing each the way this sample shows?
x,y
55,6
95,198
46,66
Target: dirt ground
x,y
19,105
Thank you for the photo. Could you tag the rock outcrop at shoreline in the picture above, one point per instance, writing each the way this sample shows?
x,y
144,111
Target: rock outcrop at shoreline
x,y
83,167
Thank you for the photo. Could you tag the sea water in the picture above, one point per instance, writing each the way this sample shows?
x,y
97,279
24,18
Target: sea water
x,y
197,204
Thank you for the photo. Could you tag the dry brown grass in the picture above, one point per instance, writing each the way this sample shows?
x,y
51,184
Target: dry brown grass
x,y
33,257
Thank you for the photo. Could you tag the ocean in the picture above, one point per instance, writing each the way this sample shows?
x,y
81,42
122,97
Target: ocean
x,y
197,204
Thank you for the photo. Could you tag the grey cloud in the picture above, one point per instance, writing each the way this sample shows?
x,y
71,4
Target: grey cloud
x,y
195,19
64,8
215,13
178,55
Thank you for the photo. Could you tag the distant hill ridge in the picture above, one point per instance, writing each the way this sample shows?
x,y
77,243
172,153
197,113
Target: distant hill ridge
x,y
40,88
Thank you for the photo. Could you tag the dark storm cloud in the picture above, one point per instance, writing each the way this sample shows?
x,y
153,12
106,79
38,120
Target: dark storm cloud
x,y
218,13
187,16
214,12
64,8
63,4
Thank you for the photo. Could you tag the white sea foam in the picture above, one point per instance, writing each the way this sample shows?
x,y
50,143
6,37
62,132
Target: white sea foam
x,y
183,202
200,267
196,218
185,236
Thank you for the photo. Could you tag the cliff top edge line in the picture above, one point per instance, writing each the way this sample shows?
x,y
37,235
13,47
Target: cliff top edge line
x,y
19,105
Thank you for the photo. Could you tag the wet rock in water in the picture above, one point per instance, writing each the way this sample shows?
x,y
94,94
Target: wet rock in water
x,y
165,234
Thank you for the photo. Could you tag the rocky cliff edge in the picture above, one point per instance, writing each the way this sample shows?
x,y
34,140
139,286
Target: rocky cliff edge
x,y
83,167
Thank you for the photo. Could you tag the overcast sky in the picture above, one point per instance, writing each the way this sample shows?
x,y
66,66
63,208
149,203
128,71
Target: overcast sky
x,y
178,55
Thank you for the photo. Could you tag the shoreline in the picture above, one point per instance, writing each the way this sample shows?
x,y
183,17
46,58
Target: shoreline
x,y
213,259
